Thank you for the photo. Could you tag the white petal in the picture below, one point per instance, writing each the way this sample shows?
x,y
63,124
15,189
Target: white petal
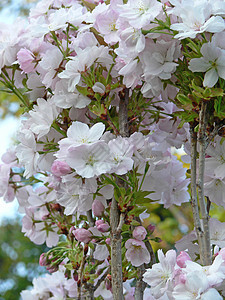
x,y
199,65
78,130
211,78
96,131
214,24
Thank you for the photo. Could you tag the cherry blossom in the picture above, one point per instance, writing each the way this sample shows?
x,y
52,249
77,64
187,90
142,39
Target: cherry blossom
x,y
161,274
212,62
137,252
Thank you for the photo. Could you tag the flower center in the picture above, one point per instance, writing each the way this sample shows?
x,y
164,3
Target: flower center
x,y
91,160
112,26
141,7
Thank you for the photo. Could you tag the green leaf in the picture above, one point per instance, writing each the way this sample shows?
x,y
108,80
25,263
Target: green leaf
x,y
195,48
196,87
207,93
135,223
141,194
82,90
217,92
138,210
187,116
183,99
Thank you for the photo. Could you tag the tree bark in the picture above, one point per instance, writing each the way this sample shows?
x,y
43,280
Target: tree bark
x,y
201,224
194,198
115,219
140,284
206,247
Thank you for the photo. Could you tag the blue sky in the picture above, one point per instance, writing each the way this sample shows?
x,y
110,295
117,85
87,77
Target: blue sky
x,y
8,129
9,125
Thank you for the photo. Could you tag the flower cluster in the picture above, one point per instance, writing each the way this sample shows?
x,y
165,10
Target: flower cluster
x,y
181,278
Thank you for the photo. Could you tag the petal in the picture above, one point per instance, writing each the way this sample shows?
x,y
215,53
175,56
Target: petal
x,y
96,132
211,294
77,131
210,51
221,66
211,78
199,65
214,24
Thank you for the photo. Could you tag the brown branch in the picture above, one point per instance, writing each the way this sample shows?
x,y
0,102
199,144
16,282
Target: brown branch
x,y
116,219
151,252
140,285
194,199
205,254
121,222
102,278
80,274
213,133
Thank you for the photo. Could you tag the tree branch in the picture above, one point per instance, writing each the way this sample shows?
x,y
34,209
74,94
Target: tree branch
x,y
102,279
214,133
205,254
80,274
140,284
115,215
194,199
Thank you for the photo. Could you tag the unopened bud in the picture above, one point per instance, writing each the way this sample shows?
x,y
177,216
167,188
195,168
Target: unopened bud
x,y
97,208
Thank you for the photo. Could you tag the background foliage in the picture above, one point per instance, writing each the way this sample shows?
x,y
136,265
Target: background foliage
x,y
18,260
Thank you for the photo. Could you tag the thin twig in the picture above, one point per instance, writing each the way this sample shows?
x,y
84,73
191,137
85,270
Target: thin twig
x,y
151,252
214,133
121,222
102,278
80,274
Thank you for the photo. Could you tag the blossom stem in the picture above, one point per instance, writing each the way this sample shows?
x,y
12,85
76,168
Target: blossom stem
x,y
151,252
206,251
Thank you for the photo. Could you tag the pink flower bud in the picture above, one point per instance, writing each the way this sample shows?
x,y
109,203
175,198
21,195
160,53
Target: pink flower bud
x,y
75,276
179,276
102,226
151,228
43,260
52,269
108,241
26,60
97,208
108,284
60,168
139,233
182,258
82,235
